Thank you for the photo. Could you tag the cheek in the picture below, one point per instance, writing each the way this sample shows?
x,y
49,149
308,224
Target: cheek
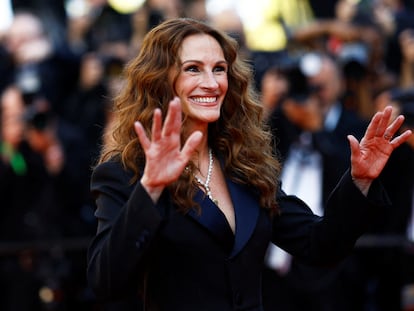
x,y
185,107
183,86
224,84
326,94
35,140
13,134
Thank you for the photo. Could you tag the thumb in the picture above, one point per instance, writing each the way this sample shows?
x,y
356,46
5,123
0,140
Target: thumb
x,y
354,145
191,144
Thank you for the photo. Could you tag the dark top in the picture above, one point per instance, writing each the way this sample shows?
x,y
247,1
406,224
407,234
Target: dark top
x,y
193,261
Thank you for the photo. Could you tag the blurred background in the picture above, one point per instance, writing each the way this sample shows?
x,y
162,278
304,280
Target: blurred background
x,y
322,69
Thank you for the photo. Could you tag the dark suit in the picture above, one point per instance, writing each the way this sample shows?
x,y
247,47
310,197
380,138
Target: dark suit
x,y
308,287
332,145
193,261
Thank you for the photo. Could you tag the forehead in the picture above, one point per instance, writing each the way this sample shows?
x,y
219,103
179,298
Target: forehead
x,y
11,99
25,25
201,47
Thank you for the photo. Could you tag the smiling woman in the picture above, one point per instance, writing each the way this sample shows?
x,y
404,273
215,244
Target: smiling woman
x,y
201,82
187,189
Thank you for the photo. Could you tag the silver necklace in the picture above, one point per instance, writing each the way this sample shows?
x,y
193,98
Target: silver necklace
x,y
206,184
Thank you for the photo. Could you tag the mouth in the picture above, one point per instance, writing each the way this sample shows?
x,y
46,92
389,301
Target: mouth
x,y
206,100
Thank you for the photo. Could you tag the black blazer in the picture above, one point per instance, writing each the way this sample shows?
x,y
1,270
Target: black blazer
x,y
193,261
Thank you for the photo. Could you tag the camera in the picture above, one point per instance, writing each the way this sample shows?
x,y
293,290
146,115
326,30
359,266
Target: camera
x,y
297,72
38,114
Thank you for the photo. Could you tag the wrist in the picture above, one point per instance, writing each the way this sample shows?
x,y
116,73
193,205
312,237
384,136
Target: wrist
x,y
362,184
154,191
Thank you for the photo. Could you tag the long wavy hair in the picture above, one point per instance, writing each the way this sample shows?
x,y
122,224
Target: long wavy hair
x,y
239,137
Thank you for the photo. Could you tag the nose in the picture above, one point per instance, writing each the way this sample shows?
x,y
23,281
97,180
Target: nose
x,y
209,81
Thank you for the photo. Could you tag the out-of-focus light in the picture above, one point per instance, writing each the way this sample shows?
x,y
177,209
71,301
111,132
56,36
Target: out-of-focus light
x,y
46,294
6,14
310,64
217,6
125,6
77,8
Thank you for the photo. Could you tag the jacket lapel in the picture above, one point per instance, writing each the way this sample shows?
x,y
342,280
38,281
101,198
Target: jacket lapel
x,y
212,219
246,211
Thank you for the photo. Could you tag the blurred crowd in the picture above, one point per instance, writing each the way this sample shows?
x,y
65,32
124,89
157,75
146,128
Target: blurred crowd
x,y
322,69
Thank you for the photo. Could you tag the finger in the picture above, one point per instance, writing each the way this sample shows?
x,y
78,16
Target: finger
x,y
142,136
156,125
354,145
371,130
384,121
173,119
191,144
397,141
393,127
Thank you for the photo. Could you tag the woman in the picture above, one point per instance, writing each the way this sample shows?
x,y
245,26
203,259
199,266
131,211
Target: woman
x,y
186,207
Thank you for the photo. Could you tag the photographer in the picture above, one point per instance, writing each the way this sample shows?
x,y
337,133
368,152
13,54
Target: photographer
x,y
42,167
310,128
63,152
314,107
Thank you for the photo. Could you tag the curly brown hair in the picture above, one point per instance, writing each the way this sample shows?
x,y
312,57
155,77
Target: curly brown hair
x,y
240,137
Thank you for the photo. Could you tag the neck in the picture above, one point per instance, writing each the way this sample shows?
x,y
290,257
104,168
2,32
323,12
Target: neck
x,y
190,127
201,152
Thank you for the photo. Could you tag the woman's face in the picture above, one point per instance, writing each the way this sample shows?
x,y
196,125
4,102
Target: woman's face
x,y
11,121
202,79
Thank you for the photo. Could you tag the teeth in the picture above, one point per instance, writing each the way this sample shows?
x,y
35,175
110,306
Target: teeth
x,y
204,99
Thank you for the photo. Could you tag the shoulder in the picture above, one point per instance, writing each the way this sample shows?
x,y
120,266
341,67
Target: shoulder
x,y
111,176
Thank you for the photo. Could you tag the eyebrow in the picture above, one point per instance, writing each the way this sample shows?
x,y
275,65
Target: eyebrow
x,y
200,62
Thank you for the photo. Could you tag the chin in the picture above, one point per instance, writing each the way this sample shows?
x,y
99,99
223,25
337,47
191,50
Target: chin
x,y
209,115
205,118
210,119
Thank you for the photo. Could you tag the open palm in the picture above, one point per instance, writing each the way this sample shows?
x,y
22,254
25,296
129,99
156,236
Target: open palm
x,y
165,159
369,156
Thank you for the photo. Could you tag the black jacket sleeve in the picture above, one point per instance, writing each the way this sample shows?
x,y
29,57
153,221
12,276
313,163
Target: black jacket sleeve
x,y
128,222
327,239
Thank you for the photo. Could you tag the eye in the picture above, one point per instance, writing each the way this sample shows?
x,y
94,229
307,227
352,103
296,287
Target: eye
x,y
191,68
220,68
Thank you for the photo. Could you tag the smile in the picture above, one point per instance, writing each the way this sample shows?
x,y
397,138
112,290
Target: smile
x,y
204,99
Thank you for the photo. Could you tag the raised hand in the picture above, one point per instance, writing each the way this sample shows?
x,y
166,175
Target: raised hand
x,y
164,158
369,156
